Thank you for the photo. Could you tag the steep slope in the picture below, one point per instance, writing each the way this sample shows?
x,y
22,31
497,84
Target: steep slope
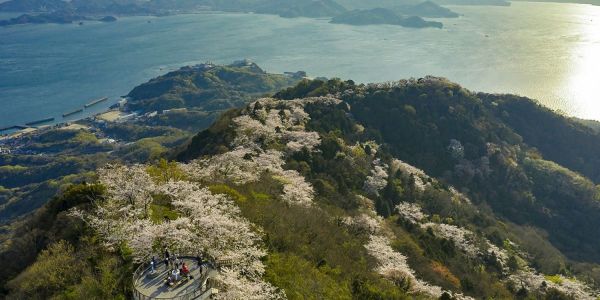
x,y
413,189
395,184
450,133
46,161
552,134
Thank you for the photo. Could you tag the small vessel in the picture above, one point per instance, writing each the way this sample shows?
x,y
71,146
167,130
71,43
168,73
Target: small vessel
x,y
96,102
72,112
40,121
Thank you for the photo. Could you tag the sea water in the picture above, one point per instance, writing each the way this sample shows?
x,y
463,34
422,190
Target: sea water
x,y
546,51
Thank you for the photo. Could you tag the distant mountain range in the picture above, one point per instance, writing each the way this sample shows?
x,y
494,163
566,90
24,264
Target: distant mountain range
x,y
405,13
361,4
286,8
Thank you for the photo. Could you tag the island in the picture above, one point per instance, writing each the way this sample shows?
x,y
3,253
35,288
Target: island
x,y
404,13
379,16
58,17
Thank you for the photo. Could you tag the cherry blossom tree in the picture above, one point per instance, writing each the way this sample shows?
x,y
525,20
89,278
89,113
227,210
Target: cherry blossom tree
x,y
295,189
131,186
410,212
533,281
377,180
421,179
240,287
363,223
393,264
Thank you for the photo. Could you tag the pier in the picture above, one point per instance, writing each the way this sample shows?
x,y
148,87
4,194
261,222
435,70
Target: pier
x,y
72,112
40,121
96,102
7,128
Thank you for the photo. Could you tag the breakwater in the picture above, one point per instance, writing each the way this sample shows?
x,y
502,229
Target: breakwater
x,y
96,102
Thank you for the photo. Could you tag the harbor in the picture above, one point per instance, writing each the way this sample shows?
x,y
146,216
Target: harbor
x,y
13,128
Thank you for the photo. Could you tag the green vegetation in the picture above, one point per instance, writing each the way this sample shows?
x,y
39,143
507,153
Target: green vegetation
x,y
311,256
495,164
510,194
207,88
47,160
51,225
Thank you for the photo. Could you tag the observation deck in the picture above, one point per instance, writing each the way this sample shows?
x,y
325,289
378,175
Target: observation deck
x,y
148,285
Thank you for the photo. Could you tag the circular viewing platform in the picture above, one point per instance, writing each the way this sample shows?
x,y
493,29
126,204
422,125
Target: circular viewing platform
x,y
153,285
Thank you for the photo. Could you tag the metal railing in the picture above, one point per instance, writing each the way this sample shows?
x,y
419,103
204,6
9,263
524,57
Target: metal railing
x,y
203,288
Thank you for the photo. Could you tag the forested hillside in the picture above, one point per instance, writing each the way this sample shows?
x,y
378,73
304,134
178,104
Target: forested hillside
x,y
486,145
169,109
331,189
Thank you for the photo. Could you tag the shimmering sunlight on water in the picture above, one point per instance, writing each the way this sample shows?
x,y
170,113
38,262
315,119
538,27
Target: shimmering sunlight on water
x,y
584,77
546,51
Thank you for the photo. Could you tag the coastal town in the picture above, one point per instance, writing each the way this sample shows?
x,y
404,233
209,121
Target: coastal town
x,y
18,138
14,139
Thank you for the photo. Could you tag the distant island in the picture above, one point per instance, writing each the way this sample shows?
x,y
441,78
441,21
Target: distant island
x,y
378,16
58,17
405,13
362,4
54,17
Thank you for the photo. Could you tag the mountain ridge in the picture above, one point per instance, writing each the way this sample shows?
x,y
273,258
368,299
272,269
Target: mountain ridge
x,y
415,188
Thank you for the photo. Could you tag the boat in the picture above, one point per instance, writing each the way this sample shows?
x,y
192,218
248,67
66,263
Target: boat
x,y
96,102
72,112
40,121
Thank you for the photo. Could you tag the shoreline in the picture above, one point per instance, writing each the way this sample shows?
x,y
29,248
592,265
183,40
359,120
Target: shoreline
x,y
387,64
12,131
